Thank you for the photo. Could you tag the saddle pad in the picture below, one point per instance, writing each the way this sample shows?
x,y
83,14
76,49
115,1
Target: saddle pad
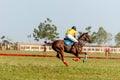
x,y
68,42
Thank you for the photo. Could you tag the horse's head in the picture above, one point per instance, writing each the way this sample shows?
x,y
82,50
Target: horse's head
x,y
85,37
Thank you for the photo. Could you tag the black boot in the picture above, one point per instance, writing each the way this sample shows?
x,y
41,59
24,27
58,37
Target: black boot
x,y
73,46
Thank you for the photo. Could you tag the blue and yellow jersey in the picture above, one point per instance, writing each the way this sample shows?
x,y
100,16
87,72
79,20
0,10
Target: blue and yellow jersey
x,y
71,31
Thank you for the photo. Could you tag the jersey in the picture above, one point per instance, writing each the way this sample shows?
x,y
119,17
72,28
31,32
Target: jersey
x,y
72,32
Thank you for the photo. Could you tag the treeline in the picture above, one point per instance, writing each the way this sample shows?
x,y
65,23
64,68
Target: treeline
x,y
48,31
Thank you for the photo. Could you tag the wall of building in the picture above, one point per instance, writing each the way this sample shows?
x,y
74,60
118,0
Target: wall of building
x,y
92,49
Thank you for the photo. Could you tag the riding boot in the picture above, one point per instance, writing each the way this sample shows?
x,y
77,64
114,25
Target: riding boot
x,y
73,46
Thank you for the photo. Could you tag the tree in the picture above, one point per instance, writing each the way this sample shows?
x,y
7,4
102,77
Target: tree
x,y
117,39
2,37
46,30
102,36
99,37
92,34
88,29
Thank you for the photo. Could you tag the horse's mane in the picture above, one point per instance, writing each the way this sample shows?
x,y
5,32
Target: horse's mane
x,y
82,35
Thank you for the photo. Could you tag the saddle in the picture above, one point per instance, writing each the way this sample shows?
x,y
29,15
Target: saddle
x,y
68,42
74,46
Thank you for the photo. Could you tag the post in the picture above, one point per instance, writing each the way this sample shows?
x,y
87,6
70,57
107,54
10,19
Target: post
x,y
107,52
44,48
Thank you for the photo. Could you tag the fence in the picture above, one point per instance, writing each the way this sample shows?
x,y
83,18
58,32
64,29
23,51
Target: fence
x,y
101,49
91,49
34,47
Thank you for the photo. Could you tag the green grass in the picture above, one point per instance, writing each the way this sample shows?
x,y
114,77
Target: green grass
x,y
37,68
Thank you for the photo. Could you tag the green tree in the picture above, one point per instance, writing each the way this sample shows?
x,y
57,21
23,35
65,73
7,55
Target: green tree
x,y
88,29
92,34
2,37
102,36
117,39
99,37
46,30
94,37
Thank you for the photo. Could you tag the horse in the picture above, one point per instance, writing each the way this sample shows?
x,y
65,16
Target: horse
x,y
60,47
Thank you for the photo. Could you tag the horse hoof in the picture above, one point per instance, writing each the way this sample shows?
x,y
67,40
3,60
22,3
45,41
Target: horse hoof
x,y
66,64
76,60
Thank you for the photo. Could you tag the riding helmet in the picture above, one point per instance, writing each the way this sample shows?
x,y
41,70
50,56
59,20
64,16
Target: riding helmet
x,y
74,27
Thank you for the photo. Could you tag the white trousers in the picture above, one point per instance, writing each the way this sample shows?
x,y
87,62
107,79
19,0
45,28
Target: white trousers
x,y
72,38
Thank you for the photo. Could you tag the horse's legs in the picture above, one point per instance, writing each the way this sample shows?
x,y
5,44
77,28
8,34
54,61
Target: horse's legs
x,y
85,57
77,58
62,58
66,64
76,53
60,55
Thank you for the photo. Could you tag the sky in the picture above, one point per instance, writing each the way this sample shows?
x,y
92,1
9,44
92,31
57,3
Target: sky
x,y
18,18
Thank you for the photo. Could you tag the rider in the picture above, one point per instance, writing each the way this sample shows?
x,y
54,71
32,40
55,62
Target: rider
x,y
71,35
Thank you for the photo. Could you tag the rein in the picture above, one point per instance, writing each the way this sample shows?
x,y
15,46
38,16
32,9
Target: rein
x,y
81,43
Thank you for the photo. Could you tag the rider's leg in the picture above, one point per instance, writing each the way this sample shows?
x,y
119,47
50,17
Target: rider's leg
x,y
72,38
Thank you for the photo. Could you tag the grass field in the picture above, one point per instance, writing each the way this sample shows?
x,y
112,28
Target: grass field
x,y
41,68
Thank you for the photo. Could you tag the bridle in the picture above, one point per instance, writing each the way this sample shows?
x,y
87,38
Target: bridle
x,y
82,40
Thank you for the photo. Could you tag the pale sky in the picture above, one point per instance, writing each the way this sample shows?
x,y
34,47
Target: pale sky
x,y
18,18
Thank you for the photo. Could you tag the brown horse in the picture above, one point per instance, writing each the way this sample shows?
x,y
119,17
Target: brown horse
x,y
60,47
